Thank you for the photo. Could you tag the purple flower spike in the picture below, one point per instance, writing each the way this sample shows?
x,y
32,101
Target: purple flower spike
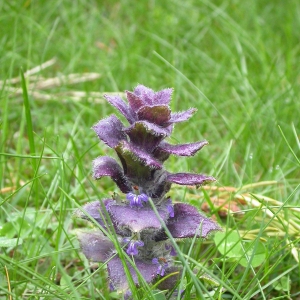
x,y
132,246
136,200
162,265
141,148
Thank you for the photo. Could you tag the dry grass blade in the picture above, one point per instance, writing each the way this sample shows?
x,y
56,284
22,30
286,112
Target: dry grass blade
x,y
32,71
281,219
39,83
64,79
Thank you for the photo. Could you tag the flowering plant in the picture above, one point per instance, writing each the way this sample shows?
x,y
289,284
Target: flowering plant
x,y
147,222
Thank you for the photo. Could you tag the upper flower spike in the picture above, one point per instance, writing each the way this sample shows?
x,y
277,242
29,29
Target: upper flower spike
x,y
141,149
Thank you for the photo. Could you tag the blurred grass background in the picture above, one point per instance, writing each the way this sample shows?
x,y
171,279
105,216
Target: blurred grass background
x,y
236,61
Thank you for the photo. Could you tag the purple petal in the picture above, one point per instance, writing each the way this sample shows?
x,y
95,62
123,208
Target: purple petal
x,y
136,200
95,246
158,114
145,94
107,166
118,277
163,96
147,135
118,102
95,210
162,265
182,149
189,179
132,247
188,222
182,116
137,219
155,261
110,131
171,249
160,270
135,102
170,208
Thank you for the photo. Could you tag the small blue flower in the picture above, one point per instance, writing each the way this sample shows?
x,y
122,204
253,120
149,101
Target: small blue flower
x,y
162,265
132,246
170,208
136,200
172,250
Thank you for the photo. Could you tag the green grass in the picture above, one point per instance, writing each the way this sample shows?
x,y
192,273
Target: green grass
x,y
236,61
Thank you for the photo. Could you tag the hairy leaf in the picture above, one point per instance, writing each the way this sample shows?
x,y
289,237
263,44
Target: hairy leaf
x,y
107,166
110,131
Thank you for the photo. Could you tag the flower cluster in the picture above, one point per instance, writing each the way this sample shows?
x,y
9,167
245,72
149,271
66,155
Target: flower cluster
x,y
142,150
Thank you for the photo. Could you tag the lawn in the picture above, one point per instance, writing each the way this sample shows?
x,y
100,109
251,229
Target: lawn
x,y
237,62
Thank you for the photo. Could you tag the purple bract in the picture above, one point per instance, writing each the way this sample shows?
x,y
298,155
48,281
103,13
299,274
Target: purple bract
x,y
139,174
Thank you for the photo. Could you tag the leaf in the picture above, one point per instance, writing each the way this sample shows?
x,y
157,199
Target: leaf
x,y
159,295
147,135
232,246
188,222
117,274
256,253
182,149
107,166
118,103
95,246
10,243
110,131
182,116
158,114
190,179
136,219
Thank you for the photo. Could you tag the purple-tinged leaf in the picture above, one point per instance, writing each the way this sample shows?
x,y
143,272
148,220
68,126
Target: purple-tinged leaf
x,y
137,163
163,96
107,166
137,219
189,149
145,94
189,179
182,116
158,114
147,135
135,102
188,222
119,103
117,274
95,246
110,131
94,210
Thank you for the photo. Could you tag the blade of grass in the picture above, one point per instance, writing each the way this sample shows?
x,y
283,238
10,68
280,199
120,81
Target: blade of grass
x,y
288,144
28,117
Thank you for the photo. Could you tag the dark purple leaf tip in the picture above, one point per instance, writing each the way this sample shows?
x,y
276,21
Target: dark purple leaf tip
x,y
188,222
190,179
